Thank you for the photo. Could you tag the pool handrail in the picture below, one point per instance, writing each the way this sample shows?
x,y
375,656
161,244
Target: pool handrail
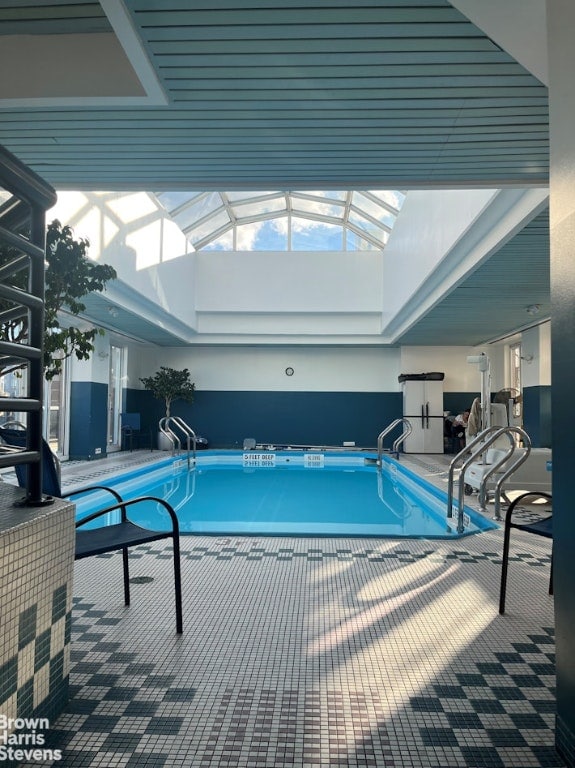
x,y
171,436
165,427
395,448
481,439
510,470
175,487
398,491
481,442
190,434
496,466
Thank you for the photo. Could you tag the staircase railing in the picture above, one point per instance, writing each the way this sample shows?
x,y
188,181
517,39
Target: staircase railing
x,y
23,240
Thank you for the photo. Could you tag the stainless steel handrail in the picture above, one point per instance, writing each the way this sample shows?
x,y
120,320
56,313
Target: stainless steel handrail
x,y
482,491
190,435
478,439
483,440
511,469
398,441
494,469
406,511
165,427
395,448
176,487
173,439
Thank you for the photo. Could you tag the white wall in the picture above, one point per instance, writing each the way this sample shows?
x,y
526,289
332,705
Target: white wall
x,y
440,237
518,26
134,234
428,226
302,294
317,369
278,298
274,301
296,282
96,367
536,344
235,296
460,376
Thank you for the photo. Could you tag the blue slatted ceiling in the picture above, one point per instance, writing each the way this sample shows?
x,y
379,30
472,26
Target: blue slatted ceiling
x,y
322,94
493,300
282,94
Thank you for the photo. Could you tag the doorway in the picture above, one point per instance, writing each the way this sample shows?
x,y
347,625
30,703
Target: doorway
x,y
516,409
55,423
115,398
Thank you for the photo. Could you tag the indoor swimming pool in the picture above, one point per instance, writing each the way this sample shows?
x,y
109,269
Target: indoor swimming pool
x,y
289,493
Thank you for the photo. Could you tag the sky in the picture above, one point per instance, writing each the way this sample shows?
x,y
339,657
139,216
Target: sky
x,y
278,221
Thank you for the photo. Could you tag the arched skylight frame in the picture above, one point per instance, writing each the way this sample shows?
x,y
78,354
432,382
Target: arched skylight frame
x,y
366,217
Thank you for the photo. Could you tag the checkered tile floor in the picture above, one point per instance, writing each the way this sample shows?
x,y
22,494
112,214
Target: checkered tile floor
x,y
314,652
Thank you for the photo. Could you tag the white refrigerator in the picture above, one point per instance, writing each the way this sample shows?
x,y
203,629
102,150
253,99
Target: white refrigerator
x,y
423,406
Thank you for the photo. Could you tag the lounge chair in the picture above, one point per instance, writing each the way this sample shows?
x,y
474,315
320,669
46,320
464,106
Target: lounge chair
x,y
109,538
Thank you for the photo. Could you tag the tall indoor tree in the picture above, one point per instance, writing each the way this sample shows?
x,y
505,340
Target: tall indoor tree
x,y
169,384
70,275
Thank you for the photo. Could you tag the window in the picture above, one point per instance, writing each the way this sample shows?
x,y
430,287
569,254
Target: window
x,y
273,220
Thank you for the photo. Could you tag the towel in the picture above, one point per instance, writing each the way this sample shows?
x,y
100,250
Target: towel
x,y
474,425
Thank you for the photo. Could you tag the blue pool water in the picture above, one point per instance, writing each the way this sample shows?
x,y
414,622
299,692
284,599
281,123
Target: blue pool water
x,y
289,493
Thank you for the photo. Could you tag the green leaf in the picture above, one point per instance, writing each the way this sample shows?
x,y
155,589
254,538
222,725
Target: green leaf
x,y
70,276
169,384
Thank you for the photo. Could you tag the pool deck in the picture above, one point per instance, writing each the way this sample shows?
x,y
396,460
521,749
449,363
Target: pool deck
x,y
312,651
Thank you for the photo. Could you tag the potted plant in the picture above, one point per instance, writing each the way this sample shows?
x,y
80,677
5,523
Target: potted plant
x,y
169,384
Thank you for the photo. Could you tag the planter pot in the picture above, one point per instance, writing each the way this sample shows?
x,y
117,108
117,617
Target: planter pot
x,y
164,444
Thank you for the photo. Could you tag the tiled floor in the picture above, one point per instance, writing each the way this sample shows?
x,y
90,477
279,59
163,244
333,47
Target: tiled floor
x,y
313,652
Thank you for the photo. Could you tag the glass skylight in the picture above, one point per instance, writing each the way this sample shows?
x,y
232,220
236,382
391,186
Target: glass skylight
x,y
283,221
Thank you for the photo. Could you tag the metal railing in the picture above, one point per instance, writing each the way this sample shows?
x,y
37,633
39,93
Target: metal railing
x,y
481,443
168,425
513,467
407,507
397,442
175,488
23,243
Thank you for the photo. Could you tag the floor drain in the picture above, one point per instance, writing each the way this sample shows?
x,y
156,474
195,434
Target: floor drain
x,y
141,579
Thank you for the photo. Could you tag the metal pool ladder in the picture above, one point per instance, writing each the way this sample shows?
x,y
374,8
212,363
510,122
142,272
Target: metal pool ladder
x,y
168,426
395,448
480,444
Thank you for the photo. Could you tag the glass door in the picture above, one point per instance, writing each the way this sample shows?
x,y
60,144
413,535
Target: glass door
x,y
55,426
115,398
516,415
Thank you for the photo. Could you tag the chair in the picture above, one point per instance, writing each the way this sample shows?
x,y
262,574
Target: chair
x,y
541,527
109,538
131,431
